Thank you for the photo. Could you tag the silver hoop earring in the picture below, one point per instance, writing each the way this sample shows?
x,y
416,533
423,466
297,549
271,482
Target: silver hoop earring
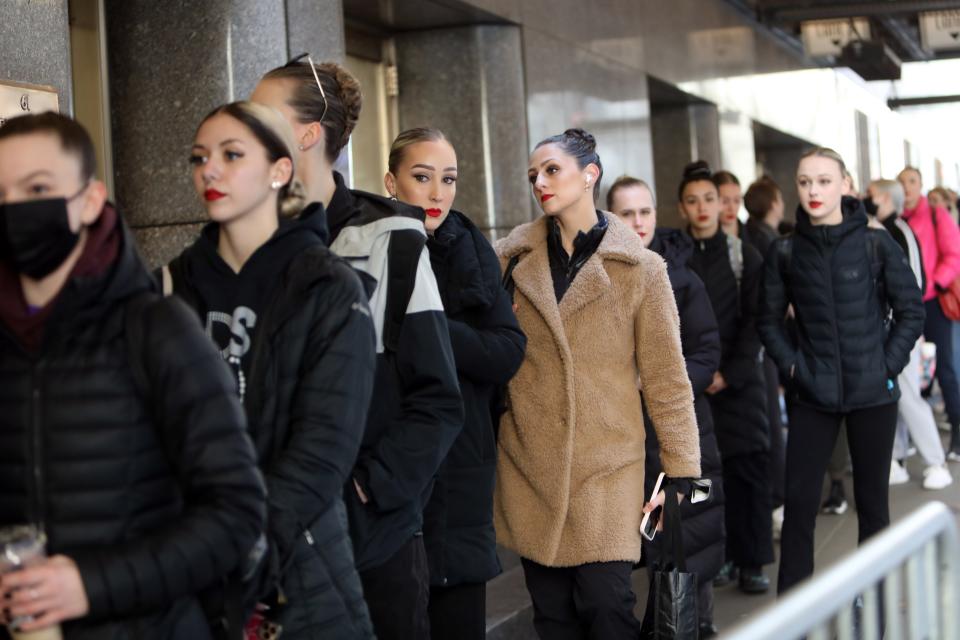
x,y
276,184
393,197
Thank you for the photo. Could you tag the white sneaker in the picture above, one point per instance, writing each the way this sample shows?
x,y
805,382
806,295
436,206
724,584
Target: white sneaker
x,y
898,474
936,477
777,522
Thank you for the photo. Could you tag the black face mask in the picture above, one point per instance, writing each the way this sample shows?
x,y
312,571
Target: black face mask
x,y
870,206
35,236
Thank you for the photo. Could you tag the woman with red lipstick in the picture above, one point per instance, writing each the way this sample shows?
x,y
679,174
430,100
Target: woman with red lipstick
x,y
292,321
417,411
731,198
599,314
488,348
845,281
730,270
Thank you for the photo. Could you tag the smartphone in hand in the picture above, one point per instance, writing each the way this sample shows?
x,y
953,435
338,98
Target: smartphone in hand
x,y
648,525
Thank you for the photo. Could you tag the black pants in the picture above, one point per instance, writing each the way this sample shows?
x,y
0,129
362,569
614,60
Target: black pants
x,y
746,486
592,601
398,593
812,436
459,612
777,461
938,329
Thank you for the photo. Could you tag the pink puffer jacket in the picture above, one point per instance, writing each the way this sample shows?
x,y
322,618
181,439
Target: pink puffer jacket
x,y
940,245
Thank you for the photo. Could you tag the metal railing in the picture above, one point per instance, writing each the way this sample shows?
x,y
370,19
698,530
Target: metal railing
x,y
902,584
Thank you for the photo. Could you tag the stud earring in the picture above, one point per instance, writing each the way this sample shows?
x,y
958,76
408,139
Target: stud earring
x,y
300,146
276,184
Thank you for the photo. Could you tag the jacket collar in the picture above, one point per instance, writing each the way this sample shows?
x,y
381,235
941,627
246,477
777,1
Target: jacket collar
x,y
533,279
619,242
854,218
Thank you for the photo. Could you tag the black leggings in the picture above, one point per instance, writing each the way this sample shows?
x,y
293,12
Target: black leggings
x,y
809,446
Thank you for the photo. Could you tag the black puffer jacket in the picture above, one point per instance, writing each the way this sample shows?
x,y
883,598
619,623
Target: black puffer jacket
x,y
845,352
759,235
488,348
740,410
417,411
154,497
703,524
307,396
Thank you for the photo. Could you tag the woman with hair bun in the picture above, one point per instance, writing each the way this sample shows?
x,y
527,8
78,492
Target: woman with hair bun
x,y
291,319
599,315
858,314
730,270
488,348
417,410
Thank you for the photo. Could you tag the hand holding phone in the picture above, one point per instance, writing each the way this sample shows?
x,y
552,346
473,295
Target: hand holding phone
x,y
650,523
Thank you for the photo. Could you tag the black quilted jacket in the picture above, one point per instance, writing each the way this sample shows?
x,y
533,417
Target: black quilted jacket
x,y
846,350
704,532
153,492
488,348
307,394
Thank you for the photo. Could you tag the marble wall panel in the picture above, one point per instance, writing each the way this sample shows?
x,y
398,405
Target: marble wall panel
x,y
572,86
316,26
477,98
35,46
159,245
170,64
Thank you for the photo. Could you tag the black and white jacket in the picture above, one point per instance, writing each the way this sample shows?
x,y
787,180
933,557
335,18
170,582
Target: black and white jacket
x,y
416,411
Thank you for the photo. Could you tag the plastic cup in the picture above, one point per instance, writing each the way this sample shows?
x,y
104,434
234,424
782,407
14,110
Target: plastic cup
x,y
20,547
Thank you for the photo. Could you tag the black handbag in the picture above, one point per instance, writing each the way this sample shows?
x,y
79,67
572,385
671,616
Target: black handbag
x,y
672,602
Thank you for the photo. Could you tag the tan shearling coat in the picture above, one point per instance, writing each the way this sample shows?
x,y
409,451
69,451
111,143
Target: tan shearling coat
x,y
570,470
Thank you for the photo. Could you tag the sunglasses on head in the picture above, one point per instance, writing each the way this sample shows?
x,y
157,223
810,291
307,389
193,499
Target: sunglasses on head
x,y
313,68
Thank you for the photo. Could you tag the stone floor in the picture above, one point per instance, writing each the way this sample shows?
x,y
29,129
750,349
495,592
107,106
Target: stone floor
x,y
509,614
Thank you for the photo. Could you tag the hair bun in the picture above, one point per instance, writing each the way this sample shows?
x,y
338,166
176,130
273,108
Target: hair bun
x,y
697,170
583,136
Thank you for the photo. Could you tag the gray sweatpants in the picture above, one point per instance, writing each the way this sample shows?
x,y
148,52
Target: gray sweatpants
x,y
915,416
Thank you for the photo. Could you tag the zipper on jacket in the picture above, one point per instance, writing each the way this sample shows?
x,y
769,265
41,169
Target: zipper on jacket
x,y
836,326
36,425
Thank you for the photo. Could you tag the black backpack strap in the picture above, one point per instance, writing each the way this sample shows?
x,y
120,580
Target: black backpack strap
x,y
403,259
508,282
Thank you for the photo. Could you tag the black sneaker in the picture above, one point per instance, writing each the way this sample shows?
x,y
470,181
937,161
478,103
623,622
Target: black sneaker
x,y
728,575
836,502
753,581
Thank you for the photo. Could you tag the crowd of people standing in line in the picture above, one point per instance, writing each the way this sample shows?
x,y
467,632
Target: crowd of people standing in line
x,y
323,415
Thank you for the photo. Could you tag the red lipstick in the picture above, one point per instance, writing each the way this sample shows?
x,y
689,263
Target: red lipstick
x,y
702,218
434,213
814,204
212,194
545,197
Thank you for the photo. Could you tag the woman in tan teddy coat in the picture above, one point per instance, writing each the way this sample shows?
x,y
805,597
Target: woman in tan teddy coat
x,y
599,315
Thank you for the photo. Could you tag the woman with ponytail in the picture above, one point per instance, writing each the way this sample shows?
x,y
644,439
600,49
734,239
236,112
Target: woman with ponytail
x,y
730,270
599,315
417,410
858,315
292,321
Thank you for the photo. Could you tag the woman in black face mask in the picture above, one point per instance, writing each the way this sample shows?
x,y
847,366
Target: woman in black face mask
x,y
122,440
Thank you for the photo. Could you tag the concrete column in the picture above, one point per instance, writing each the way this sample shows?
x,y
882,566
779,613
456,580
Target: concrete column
x,y
170,63
477,98
682,133
671,152
35,47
